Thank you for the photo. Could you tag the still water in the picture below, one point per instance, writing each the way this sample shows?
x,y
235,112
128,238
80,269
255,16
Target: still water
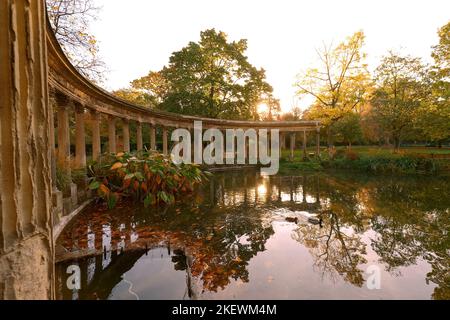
x,y
243,236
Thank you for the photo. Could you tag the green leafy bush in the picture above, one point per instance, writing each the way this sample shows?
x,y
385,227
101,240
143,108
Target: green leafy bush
x,y
148,177
63,181
388,164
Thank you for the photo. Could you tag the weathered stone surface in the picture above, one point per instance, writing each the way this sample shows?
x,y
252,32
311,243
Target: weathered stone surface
x,y
26,254
24,272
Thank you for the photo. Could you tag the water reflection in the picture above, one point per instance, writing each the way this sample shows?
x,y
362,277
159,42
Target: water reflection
x,y
246,236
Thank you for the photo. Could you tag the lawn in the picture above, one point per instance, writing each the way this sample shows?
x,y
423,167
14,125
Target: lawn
x,y
374,151
372,159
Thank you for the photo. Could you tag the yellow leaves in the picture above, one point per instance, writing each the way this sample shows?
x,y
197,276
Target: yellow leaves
x,y
117,165
103,189
238,260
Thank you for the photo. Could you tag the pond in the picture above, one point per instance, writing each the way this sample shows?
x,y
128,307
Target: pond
x,y
245,236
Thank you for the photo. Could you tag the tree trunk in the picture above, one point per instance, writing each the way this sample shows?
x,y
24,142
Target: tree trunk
x,y
329,138
397,144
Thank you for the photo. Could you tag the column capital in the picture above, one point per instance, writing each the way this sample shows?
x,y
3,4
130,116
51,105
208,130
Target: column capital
x,y
62,100
94,112
79,107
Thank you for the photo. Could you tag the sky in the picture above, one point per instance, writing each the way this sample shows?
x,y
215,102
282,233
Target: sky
x,y
136,36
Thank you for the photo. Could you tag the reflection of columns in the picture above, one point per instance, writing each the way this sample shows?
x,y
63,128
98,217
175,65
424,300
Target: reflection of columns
x,y
317,190
80,138
291,189
96,140
305,154
152,137
318,142
140,143
165,141
247,151
212,193
126,135
304,179
26,249
279,190
63,136
112,134
292,146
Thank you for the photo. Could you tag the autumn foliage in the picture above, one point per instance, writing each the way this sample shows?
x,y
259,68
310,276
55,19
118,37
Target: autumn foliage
x,y
147,176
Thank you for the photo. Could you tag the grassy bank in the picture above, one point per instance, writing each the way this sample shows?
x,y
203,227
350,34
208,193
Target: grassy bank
x,y
373,160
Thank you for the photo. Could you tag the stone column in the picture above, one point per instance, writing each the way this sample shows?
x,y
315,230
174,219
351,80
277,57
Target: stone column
x,y
57,195
126,135
318,142
26,246
283,140
70,190
112,134
140,142
153,137
293,137
165,141
305,146
80,138
96,139
63,135
52,106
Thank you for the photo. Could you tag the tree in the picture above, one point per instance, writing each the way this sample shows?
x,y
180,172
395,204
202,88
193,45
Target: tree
x,y
349,128
435,116
294,115
149,91
340,84
270,108
402,88
211,78
134,96
70,20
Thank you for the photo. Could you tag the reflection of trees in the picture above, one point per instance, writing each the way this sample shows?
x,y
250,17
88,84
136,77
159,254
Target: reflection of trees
x,y
337,248
413,223
334,251
216,233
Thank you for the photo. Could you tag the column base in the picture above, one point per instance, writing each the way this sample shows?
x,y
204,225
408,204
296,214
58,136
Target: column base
x,y
58,205
74,194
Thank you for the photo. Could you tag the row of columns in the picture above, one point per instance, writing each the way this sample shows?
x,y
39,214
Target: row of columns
x,y
80,136
293,137
63,129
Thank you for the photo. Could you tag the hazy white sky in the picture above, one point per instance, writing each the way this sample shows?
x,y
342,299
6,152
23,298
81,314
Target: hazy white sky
x,y
139,35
